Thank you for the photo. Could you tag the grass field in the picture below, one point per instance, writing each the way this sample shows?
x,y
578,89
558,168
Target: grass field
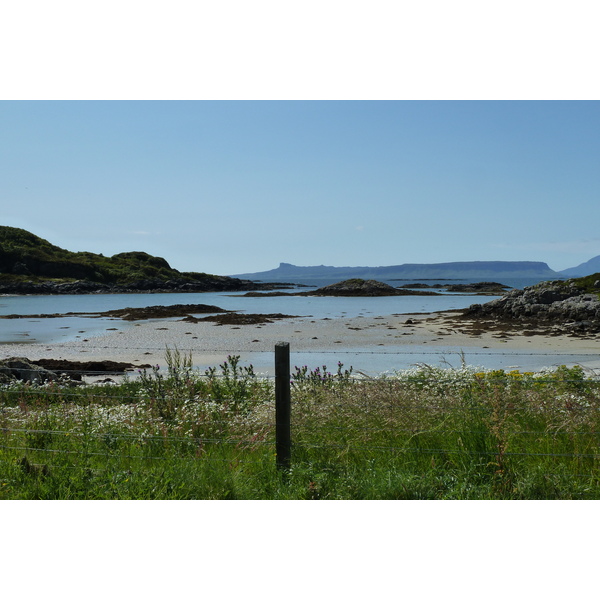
x,y
424,433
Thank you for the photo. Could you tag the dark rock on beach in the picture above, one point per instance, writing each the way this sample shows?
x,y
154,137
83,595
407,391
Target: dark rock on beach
x,y
571,306
47,369
161,312
22,369
76,368
239,319
217,315
133,314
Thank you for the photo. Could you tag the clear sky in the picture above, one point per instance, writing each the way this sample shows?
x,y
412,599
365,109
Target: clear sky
x,y
238,186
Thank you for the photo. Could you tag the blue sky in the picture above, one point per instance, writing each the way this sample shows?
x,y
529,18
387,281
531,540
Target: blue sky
x,y
239,186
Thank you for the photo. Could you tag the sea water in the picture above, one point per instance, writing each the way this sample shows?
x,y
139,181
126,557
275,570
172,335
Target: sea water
x,y
71,328
32,327
373,363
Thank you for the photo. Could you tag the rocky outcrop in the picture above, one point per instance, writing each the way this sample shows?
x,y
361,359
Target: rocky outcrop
x,y
161,312
483,288
45,370
74,369
133,314
570,306
362,287
239,319
24,370
148,286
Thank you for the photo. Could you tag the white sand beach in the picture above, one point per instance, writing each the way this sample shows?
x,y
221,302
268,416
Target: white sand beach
x,y
417,337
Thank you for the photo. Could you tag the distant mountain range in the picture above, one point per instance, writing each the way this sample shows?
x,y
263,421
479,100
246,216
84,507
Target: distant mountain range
x,y
451,270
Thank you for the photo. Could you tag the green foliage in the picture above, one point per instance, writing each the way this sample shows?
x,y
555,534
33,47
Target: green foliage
x,y
583,285
423,433
235,386
233,382
44,261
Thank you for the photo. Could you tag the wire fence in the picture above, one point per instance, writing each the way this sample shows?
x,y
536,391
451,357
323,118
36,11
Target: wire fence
x,y
442,356
491,422
410,350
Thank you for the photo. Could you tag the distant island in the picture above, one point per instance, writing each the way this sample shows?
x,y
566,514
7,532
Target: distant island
x,y
371,287
31,265
450,270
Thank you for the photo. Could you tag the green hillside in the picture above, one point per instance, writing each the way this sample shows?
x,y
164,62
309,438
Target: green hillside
x,y
27,257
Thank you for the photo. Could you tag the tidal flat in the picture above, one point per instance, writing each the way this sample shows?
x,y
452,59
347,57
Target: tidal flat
x,y
372,344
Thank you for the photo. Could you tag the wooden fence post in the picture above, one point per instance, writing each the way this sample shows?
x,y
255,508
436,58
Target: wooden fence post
x,y
283,412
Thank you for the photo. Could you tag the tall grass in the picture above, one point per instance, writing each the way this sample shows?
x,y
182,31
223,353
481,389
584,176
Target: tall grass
x,y
424,433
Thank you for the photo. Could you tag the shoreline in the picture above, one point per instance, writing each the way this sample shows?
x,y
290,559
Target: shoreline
x,y
375,341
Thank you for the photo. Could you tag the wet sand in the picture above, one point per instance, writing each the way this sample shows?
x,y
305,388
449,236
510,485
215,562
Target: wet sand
x,y
145,342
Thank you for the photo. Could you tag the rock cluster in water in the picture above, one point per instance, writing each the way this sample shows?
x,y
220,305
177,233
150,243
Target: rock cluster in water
x,y
214,284
362,287
483,288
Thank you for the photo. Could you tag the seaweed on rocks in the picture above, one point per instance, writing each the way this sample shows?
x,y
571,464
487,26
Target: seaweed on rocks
x,y
571,307
239,319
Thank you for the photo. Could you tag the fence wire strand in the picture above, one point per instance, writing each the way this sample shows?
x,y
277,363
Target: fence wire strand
x,y
414,350
311,432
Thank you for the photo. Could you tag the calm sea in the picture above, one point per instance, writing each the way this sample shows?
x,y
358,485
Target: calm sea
x,y
390,358
62,329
